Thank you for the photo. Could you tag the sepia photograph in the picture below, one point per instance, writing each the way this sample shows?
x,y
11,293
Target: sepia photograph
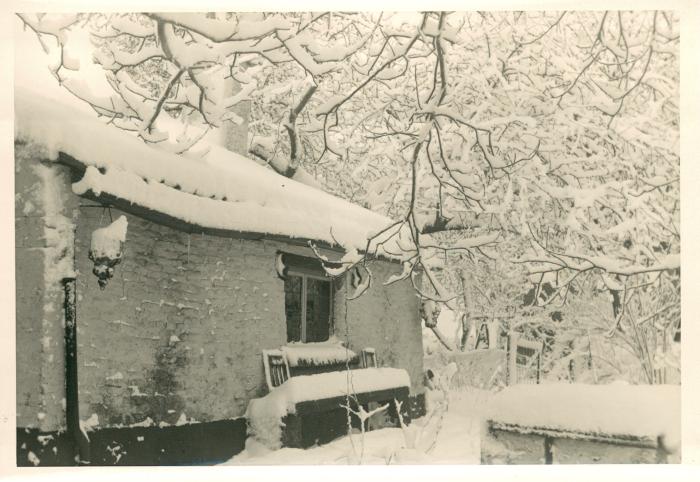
x,y
270,238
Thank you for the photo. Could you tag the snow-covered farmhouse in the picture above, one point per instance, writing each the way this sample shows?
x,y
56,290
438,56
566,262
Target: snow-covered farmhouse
x,y
157,296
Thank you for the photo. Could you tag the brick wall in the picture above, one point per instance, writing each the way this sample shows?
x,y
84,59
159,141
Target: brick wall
x,y
180,327
387,319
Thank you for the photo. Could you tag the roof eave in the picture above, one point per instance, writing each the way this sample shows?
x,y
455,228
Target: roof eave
x,y
192,228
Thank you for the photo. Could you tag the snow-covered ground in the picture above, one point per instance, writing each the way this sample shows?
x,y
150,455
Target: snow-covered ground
x,y
457,441
612,409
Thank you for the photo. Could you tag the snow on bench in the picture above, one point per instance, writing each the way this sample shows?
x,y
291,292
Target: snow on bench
x,y
329,352
614,412
265,414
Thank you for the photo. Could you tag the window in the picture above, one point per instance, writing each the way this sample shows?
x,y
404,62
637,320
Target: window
x,y
308,296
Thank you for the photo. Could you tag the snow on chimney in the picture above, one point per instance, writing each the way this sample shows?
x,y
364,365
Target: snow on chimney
x,y
234,136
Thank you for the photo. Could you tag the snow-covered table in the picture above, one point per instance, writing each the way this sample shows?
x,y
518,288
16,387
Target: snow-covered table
x,y
308,409
579,423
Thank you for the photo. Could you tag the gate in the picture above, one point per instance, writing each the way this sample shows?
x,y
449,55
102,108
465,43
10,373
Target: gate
x,y
524,360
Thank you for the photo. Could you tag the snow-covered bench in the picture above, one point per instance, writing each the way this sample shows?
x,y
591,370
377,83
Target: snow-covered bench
x,y
297,359
579,423
308,409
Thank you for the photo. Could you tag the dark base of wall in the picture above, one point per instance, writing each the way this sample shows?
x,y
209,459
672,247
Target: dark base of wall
x,y
315,429
193,444
56,449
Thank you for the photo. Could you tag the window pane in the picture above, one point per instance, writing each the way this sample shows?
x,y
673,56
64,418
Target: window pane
x,y
318,309
292,307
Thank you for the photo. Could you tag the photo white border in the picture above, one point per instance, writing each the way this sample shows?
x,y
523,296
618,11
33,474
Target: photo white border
x,y
690,194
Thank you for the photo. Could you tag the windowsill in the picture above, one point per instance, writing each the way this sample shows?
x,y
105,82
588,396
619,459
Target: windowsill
x,y
324,353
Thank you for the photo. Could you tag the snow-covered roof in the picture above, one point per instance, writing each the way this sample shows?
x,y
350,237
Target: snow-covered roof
x,y
228,192
616,409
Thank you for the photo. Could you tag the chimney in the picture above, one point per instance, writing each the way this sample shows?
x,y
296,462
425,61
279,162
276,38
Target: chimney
x,y
234,137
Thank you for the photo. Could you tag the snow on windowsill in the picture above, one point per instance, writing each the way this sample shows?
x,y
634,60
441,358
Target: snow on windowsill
x,y
616,409
317,354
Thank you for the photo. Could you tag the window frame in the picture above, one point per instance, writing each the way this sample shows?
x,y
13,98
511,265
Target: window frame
x,y
304,297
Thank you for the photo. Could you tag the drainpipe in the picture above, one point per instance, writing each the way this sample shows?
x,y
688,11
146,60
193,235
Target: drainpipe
x,y
71,367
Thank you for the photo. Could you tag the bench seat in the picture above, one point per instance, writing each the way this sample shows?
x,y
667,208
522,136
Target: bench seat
x,y
322,421
312,408
326,404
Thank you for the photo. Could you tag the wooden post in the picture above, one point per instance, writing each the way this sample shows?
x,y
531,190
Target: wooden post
x,y
548,450
512,369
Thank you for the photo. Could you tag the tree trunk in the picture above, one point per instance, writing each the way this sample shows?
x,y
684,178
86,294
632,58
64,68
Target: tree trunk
x,y
466,317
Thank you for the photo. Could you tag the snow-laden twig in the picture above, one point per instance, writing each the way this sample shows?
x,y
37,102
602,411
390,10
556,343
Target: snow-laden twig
x,y
363,415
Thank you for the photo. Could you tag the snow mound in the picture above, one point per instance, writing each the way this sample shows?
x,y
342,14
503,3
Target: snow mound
x,y
228,192
317,354
614,409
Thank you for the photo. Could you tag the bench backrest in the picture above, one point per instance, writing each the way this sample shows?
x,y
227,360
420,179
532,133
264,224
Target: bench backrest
x,y
276,368
369,358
